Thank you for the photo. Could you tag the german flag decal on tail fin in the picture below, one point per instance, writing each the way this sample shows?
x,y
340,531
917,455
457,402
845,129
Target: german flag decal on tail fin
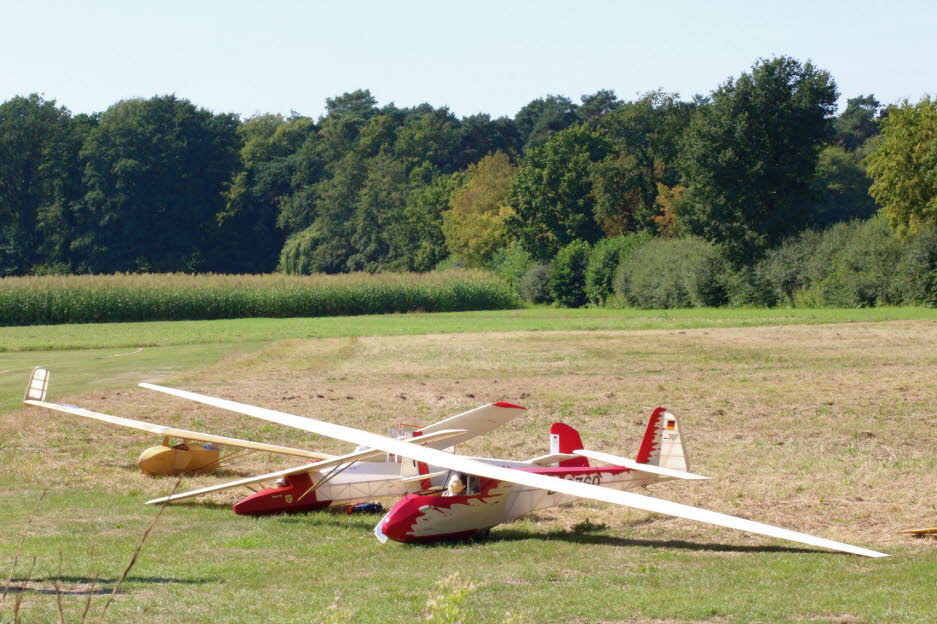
x,y
662,445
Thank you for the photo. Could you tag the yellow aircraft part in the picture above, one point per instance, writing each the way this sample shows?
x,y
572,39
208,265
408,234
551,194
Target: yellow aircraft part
x,y
182,458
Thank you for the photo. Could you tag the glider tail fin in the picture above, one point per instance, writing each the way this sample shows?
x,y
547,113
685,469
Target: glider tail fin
x,y
662,445
565,439
38,383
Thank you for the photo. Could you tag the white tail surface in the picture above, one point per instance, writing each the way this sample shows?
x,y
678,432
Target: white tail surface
x,y
662,445
38,383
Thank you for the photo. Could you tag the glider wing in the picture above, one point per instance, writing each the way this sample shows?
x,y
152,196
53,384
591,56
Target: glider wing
x,y
36,395
173,432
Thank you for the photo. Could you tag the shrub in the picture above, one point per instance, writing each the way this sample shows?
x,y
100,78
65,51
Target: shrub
x,y
917,272
863,268
746,286
862,263
511,264
607,254
676,273
534,286
568,275
450,264
785,268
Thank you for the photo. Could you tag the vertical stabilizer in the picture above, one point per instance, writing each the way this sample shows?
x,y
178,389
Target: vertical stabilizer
x,y
38,383
565,439
662,445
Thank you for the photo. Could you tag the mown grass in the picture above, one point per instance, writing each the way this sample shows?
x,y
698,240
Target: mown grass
x,y
155,334
821,428
41,300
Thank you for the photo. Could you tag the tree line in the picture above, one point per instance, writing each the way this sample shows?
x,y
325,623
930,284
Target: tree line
x,y
161,185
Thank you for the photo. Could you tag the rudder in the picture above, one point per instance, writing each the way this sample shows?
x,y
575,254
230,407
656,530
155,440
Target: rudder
x,y
662,445
565,439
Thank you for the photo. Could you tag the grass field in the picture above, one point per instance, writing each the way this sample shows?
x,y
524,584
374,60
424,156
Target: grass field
x,y
820,421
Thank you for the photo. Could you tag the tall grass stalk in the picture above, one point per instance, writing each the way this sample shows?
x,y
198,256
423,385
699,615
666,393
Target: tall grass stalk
x,y
19,547
48,300
136,553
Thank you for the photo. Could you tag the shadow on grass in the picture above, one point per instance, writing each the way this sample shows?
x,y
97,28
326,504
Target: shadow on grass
x,y
514,535
89,586
366,522
217,472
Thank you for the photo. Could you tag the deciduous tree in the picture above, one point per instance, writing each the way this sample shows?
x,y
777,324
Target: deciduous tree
x,y
155,170
474,225
903,166
749,156
551,195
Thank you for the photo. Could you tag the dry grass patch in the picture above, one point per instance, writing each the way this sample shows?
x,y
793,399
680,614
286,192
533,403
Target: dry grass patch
x,y
820,428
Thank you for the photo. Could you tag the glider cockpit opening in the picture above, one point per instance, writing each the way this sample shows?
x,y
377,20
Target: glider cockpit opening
x,y
461,484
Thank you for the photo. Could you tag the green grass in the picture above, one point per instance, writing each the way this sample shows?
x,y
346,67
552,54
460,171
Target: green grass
x,y
104,355
152,334
207,565
821,428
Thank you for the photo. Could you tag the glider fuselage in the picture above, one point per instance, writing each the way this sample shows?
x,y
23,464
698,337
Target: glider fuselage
x,y
425,518
185,458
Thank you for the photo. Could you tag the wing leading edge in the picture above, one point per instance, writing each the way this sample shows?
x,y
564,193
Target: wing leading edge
x,y
471,466
173,432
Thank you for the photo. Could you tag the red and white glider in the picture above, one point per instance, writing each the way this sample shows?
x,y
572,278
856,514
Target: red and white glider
x,y
497,491
359,475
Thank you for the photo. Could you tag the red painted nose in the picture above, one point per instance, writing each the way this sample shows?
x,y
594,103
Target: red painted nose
x,y
293,497
399,521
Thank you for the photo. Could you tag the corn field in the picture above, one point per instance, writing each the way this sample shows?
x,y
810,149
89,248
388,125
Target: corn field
x,y
47,300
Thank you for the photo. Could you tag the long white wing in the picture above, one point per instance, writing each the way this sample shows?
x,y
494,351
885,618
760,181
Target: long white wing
x,y
173,432
464,464
475,422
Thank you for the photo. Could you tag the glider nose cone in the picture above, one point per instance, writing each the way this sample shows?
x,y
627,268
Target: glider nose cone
x,y
398,523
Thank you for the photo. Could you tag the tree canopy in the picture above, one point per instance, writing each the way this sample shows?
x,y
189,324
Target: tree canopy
x,y
159,184
749,157
903,165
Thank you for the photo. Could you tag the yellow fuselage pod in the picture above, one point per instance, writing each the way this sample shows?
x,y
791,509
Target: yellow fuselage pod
x,y
178,459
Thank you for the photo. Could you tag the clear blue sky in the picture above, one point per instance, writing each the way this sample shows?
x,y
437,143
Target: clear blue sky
x,y
473,56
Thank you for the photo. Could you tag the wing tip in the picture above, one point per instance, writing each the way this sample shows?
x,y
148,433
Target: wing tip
x,y
508,405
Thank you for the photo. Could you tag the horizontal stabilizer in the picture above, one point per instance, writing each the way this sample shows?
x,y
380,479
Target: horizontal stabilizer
x,y
633,465
552,458
474,422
